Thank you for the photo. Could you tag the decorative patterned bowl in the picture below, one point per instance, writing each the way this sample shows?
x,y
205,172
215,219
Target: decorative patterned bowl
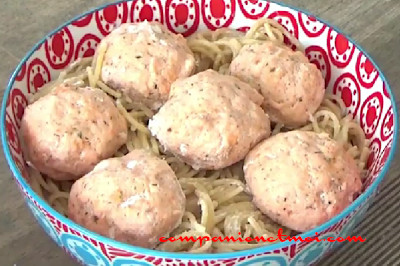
x,y
349,72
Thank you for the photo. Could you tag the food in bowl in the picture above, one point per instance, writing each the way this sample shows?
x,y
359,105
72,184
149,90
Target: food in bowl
x,y
135,198
142,60
301,179
210,121
221,116
70,130
292,86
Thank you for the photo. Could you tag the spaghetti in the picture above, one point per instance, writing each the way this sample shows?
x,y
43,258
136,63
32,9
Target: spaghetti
x,y
217,201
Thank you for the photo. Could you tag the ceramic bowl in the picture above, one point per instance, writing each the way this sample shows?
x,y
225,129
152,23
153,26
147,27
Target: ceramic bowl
x,y
349,72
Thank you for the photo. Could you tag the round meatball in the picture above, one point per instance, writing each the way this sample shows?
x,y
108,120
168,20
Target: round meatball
x,y
135,199
143,59
210,121
293,88
301,179
68,131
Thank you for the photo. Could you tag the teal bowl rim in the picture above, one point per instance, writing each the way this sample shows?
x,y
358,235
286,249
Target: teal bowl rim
x,y
185,256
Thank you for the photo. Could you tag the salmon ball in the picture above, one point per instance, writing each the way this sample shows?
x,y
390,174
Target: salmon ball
x,y
293,88
135,199
68,131
211,120
301,179
143,59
